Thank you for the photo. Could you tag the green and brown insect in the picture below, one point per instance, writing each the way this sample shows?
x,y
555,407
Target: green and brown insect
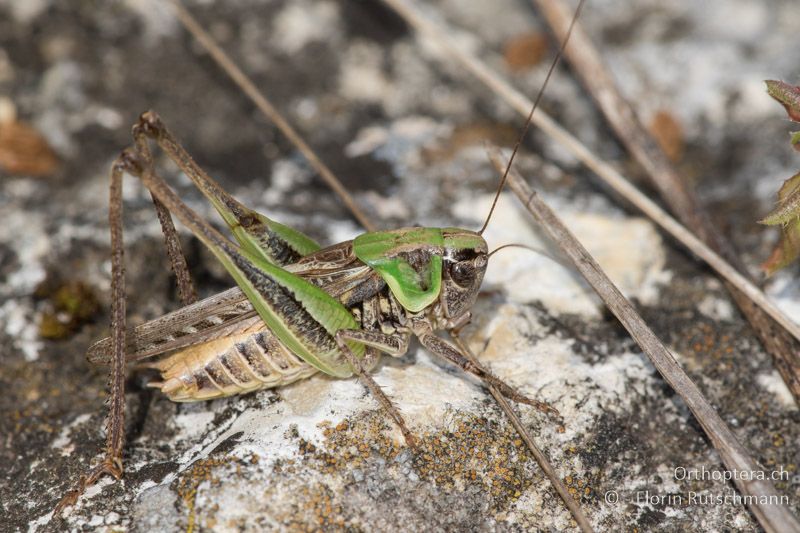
x,y
298,308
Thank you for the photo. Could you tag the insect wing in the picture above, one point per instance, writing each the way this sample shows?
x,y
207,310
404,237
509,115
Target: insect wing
x,y
334,269
180,328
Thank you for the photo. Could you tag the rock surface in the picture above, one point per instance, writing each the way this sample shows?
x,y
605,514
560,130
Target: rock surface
x,y
405,133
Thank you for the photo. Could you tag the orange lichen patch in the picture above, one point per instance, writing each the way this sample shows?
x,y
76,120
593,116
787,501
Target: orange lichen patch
x,y
473,457
320,511
24,151
705,340
668,133
580,488
525,51
206,470
475,451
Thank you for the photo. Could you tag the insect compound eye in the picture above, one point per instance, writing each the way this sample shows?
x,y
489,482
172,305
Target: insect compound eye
x,y
463,273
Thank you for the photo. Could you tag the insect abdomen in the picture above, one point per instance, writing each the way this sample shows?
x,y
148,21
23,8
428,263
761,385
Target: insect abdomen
x,y
254,359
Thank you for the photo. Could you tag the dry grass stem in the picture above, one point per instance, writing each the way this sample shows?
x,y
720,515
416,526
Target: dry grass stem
x,y
268,110
772,517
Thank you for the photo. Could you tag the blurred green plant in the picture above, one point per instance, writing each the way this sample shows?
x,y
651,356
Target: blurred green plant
x,y
787,213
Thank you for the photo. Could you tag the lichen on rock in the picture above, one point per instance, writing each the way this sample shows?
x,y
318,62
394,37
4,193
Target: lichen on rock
x,y
405,132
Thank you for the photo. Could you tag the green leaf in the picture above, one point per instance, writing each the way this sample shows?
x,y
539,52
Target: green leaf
x,y
787,250
795,140
788,203
787,214
788,95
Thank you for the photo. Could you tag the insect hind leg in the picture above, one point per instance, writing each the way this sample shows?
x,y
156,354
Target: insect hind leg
x,y
115,422
277,243
133,161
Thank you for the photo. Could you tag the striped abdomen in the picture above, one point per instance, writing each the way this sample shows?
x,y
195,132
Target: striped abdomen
x,y
250,360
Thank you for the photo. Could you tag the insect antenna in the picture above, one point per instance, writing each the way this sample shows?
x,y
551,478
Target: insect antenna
x,y
527,125
530,249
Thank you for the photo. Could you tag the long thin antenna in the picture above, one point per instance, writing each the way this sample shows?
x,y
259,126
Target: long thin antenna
x,y
516,245
527,125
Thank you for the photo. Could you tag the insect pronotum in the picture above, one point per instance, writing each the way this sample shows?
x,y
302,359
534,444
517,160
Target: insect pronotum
x,y
298,308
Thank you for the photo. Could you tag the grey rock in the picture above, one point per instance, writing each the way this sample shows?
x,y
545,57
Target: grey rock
x,y
405,132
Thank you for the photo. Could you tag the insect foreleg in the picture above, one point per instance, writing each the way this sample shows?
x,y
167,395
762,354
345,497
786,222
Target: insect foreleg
x,y
447,351
342,336
393,345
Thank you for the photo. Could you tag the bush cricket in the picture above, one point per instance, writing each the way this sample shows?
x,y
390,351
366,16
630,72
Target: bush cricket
x,y
298,308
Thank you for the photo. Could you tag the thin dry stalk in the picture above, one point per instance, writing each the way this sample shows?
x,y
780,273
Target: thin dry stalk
x,y
615,180
271,113
772,517
595,76
257,97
